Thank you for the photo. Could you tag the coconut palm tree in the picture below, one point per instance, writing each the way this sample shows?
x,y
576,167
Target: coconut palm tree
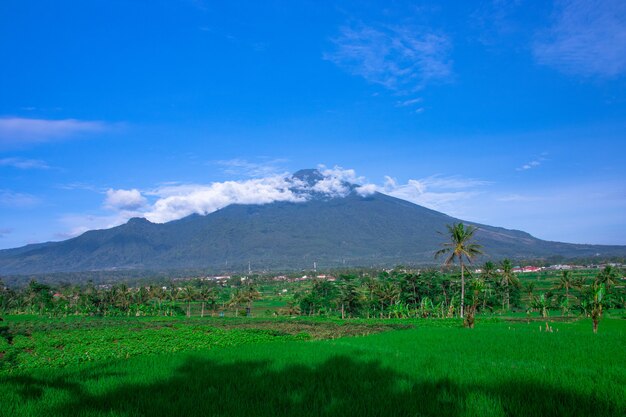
x,y
249,296
489,275
459,247
529,288
188,294
507,280
566,281
348,298
608,276
207,295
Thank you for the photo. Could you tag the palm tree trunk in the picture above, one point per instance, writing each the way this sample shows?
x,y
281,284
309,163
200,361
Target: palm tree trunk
x,y
462,286
508,298
202,314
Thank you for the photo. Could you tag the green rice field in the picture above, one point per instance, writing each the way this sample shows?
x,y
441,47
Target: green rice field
x,y
298,367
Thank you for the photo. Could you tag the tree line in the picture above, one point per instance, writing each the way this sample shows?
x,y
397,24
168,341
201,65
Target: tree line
x,y
122,300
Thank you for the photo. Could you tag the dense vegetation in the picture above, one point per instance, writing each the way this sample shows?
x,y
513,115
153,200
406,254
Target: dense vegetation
x,y
398,293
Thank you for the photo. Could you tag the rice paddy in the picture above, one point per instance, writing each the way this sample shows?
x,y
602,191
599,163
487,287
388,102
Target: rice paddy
x,y
265,367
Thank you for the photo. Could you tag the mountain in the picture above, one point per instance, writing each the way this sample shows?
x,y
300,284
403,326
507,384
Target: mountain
x,y
351,229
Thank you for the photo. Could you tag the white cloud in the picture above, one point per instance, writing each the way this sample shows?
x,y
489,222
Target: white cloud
x,y
174,201
17,131
337,181
365,190
530,165
264,168
587,38
4,232
410,102
130,200
400,58
437,193
177,201
22,163
14,199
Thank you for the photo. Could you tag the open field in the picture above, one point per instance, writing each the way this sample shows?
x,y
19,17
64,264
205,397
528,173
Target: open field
x,y
281,367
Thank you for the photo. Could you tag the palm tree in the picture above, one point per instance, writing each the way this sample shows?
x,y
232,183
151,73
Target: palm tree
x,y
249,296
488,271
508,280
387,291
529,287
349,298
188,294
565,282
608,276
207,294
489,275
460,246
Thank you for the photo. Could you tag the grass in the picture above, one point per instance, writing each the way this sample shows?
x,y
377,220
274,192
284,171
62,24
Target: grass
x,y
433,369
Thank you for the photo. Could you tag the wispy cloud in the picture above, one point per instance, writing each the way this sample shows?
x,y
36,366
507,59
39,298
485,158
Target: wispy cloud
x,y
509,198
4,232
410,102
587,38
435,192
79,186
531,164
22,163
19,131
12,199
245,168
403,59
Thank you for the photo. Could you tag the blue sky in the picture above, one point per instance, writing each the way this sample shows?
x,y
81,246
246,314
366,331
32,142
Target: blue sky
x,y
508,113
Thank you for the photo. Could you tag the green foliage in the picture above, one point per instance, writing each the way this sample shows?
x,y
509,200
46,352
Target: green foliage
x,y
500,369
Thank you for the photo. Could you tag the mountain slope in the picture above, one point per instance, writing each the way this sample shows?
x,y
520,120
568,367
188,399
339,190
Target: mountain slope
x,y
351,230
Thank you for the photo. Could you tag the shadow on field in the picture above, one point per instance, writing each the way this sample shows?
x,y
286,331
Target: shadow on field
x,y
340,386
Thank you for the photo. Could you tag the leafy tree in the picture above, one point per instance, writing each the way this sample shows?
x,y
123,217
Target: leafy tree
x,y
349,298
460,246
542,304
39,295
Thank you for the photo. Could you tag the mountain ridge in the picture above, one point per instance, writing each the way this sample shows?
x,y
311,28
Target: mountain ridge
x,y
351,230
